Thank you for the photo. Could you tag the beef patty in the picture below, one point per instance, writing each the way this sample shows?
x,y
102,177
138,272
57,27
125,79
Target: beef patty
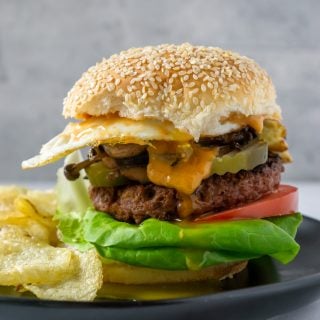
x,y
135,203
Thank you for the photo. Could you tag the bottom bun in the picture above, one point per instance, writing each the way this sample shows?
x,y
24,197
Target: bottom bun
x,y
127,274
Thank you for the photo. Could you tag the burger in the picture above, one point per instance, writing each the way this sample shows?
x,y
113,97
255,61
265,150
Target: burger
x,y
181,182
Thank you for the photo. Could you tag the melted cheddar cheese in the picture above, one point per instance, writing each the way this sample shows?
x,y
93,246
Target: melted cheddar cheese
x,y
185,205
183,174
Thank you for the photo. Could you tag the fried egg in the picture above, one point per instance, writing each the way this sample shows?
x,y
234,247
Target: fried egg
x,y
99,130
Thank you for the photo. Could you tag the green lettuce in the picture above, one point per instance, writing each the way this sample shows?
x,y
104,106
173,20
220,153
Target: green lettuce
x,y
167,245
172,258
174,246
72,203
72,195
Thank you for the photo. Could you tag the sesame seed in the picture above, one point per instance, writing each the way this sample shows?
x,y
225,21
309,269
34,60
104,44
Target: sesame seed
x,y
196,90
233,87
179,91
110,86
185,78
167,73
154,85
210,85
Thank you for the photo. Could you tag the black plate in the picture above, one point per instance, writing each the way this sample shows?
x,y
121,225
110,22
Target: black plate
x,y
270,289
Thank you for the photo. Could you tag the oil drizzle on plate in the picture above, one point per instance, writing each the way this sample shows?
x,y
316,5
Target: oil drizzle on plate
x,y
170,291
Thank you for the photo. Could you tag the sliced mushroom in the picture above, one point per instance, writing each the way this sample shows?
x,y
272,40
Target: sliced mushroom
x,y
72,170
109,162
135,173
119,151
234,139
139,160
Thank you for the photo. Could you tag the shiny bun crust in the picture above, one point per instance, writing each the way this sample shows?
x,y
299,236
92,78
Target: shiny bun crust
x,y
194,87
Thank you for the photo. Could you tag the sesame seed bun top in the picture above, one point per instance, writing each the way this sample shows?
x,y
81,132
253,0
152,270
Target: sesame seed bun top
x,y
197,88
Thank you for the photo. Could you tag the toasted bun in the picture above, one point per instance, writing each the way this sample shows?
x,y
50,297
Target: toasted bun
x,y
196,88
127,274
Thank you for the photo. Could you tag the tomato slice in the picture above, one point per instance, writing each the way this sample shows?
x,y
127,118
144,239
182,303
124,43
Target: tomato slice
x,y
282,202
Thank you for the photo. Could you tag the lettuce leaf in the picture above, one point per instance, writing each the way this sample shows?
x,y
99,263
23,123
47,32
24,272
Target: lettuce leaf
x,y
70,226
173,246
172,258
289,226
167,245
255,236
184,245
72,203
72,195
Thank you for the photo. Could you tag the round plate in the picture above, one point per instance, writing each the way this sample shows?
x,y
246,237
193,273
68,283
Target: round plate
x,y
269,289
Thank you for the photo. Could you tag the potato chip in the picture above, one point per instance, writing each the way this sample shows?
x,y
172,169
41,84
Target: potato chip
x,y
23,205
30,210
24,260
45,202
39,232
7,196
29,226
83,286
11,217
27,259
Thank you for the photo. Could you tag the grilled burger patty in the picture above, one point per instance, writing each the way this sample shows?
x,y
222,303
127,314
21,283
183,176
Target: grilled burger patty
x,y
137,202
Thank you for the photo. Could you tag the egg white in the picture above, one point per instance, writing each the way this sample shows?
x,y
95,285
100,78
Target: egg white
x,y
99,130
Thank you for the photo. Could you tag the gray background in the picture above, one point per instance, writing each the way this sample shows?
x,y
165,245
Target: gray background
x,y
46,45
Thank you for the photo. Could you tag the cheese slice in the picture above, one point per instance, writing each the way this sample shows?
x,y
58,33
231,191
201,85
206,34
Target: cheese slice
x,y
185,174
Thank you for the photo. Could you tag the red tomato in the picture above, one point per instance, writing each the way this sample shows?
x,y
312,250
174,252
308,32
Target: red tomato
x,y
282,202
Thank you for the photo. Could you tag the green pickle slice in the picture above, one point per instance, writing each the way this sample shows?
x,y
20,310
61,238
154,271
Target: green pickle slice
x,y
101,176
252,155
